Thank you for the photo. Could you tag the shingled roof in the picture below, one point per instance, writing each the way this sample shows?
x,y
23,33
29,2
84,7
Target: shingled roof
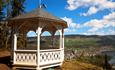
x,y
35,18
41,13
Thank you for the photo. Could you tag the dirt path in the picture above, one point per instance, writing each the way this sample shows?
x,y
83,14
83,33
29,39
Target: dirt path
x,y
76,65
4,67
4,59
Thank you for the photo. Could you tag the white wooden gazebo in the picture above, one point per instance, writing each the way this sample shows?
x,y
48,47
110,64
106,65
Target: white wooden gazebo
x,y
39,21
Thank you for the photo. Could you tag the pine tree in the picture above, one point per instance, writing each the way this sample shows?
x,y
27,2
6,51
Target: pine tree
x,y
13,8
1,9
17,7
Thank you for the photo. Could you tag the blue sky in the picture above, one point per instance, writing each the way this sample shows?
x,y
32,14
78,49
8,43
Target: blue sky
x,y
89,17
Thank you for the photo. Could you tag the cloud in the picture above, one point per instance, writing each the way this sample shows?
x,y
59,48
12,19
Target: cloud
x,y
111,17
97,25
101,32
92,10
108,20
94,23
94,5
71,25
105,26
112,31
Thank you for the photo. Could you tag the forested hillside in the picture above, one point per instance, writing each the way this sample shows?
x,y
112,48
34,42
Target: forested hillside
x,y
82,41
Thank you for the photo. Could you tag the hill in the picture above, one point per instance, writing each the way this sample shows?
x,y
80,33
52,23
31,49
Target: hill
x,y
81,41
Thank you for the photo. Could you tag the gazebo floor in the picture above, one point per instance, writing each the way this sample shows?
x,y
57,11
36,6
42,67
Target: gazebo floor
x,y
20,66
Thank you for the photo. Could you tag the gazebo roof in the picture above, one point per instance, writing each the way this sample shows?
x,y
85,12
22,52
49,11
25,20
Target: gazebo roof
x,y
36,18
37,13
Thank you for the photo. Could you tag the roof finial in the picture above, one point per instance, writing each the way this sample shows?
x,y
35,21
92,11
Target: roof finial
x,y
41,5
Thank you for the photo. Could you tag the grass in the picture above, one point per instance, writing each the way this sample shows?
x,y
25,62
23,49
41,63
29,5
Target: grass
x,y
81,42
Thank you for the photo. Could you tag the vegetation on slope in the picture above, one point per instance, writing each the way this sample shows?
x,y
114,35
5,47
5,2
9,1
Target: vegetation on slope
x,y
76,65
82,41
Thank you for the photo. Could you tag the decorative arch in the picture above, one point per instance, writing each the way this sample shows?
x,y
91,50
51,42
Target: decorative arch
x,y
45,40
50,39
31,33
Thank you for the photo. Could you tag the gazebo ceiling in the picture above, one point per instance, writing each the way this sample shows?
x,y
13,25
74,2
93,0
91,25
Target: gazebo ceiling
x,y
33,19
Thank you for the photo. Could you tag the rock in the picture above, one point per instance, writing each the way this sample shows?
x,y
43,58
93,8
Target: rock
x,y
70,54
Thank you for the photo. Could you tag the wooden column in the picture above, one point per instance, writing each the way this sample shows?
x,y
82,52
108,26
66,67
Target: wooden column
x,y
60,39
63,44
12,42
38,47
61,47
15,47
63,38
53,41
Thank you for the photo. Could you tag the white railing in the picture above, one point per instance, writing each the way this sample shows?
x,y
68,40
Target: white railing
x,y
50,56
47,57
25,57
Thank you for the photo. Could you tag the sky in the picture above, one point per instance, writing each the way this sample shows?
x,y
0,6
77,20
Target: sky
x,y
84,17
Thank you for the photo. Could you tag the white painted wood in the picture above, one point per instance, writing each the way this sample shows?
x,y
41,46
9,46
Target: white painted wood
x,y
15,41
26,58
40,57
60,32
50,57
63,45
62,39
59,64
50,50
26,51
15,47
38,47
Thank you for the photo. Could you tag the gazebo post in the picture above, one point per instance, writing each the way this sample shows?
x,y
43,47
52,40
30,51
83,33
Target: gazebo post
x,y
60,39
15,47
63,38
63,43
38,47
61,48
53,39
